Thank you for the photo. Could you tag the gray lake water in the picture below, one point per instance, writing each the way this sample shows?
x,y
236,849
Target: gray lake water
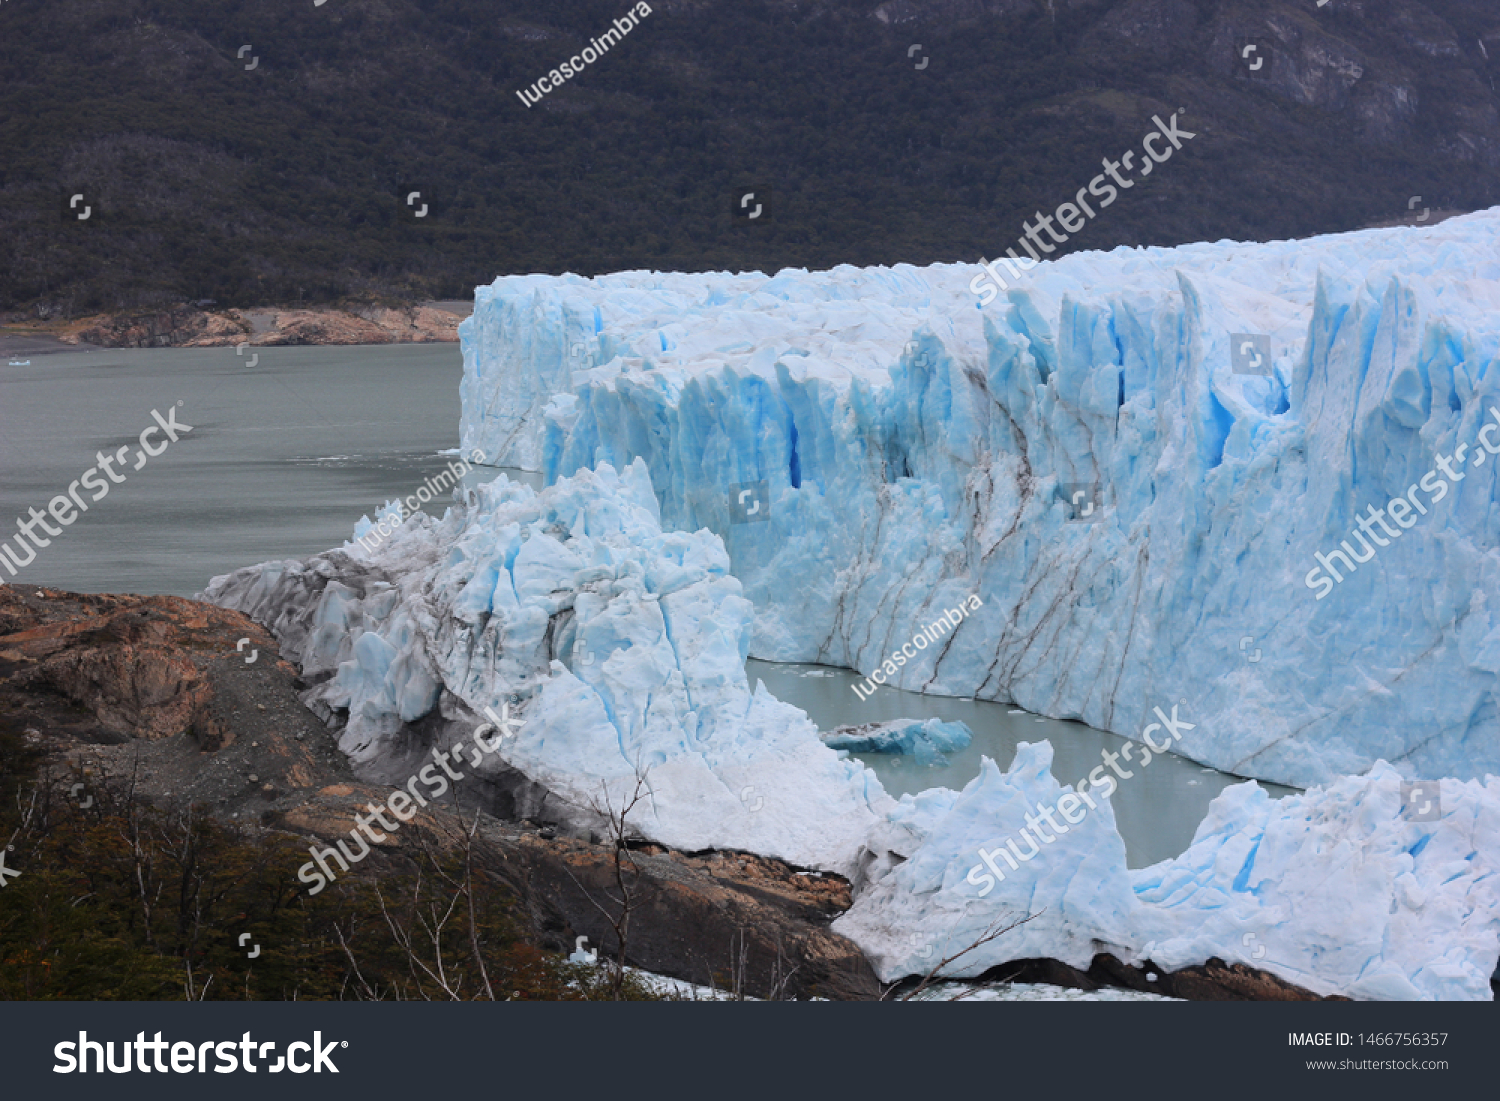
x,y
284,457
1158,807
286,454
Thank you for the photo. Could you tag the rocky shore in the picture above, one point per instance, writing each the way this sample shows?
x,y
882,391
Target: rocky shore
x,y
206,327
192,703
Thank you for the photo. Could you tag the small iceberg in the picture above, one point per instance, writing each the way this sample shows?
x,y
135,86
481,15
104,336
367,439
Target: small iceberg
x,y
926,741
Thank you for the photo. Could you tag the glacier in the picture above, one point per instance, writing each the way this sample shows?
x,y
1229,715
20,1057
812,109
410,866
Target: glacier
x,y
1139,519
813,466
1348,889
620,650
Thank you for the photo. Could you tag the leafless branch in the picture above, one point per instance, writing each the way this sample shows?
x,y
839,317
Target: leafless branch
x,y
991,933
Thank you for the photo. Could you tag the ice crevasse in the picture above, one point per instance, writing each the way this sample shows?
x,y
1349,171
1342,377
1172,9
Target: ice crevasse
x,y
1140,518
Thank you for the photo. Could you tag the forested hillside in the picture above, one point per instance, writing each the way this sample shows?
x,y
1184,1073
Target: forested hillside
x,y
279,173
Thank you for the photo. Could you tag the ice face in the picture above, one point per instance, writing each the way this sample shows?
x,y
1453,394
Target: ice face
x,y
1147,464
619,647
1135,458
1074,894
1370,888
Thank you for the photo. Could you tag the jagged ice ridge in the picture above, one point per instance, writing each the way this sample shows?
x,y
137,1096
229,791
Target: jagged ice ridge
x,y
918,448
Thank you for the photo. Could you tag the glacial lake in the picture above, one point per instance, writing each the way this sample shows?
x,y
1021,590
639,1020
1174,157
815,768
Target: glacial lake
x,y
1157,808
288,452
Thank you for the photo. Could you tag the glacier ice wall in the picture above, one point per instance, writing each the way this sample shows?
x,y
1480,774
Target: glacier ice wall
x,y
415,638
1070,905
1357,889
911,447
1347,890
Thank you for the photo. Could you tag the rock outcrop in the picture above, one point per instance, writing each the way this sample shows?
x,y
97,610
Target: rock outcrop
x,y
189,327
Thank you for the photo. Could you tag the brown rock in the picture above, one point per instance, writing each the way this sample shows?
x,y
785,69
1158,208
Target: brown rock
x,y
150,685
1214,981
192,328
129,662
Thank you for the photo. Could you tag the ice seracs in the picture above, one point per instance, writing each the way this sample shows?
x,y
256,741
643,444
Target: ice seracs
x,y
621,647
619,650
1354,889
1068,901
1134,510
1363,888
1139,518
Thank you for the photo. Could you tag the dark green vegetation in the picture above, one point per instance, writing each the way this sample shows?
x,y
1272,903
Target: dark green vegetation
x,y
120,900
285,183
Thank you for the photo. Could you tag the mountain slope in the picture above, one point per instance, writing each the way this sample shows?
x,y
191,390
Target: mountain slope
x,y
286,182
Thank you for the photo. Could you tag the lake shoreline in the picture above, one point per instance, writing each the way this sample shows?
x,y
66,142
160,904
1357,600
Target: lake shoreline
x,y
206,327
